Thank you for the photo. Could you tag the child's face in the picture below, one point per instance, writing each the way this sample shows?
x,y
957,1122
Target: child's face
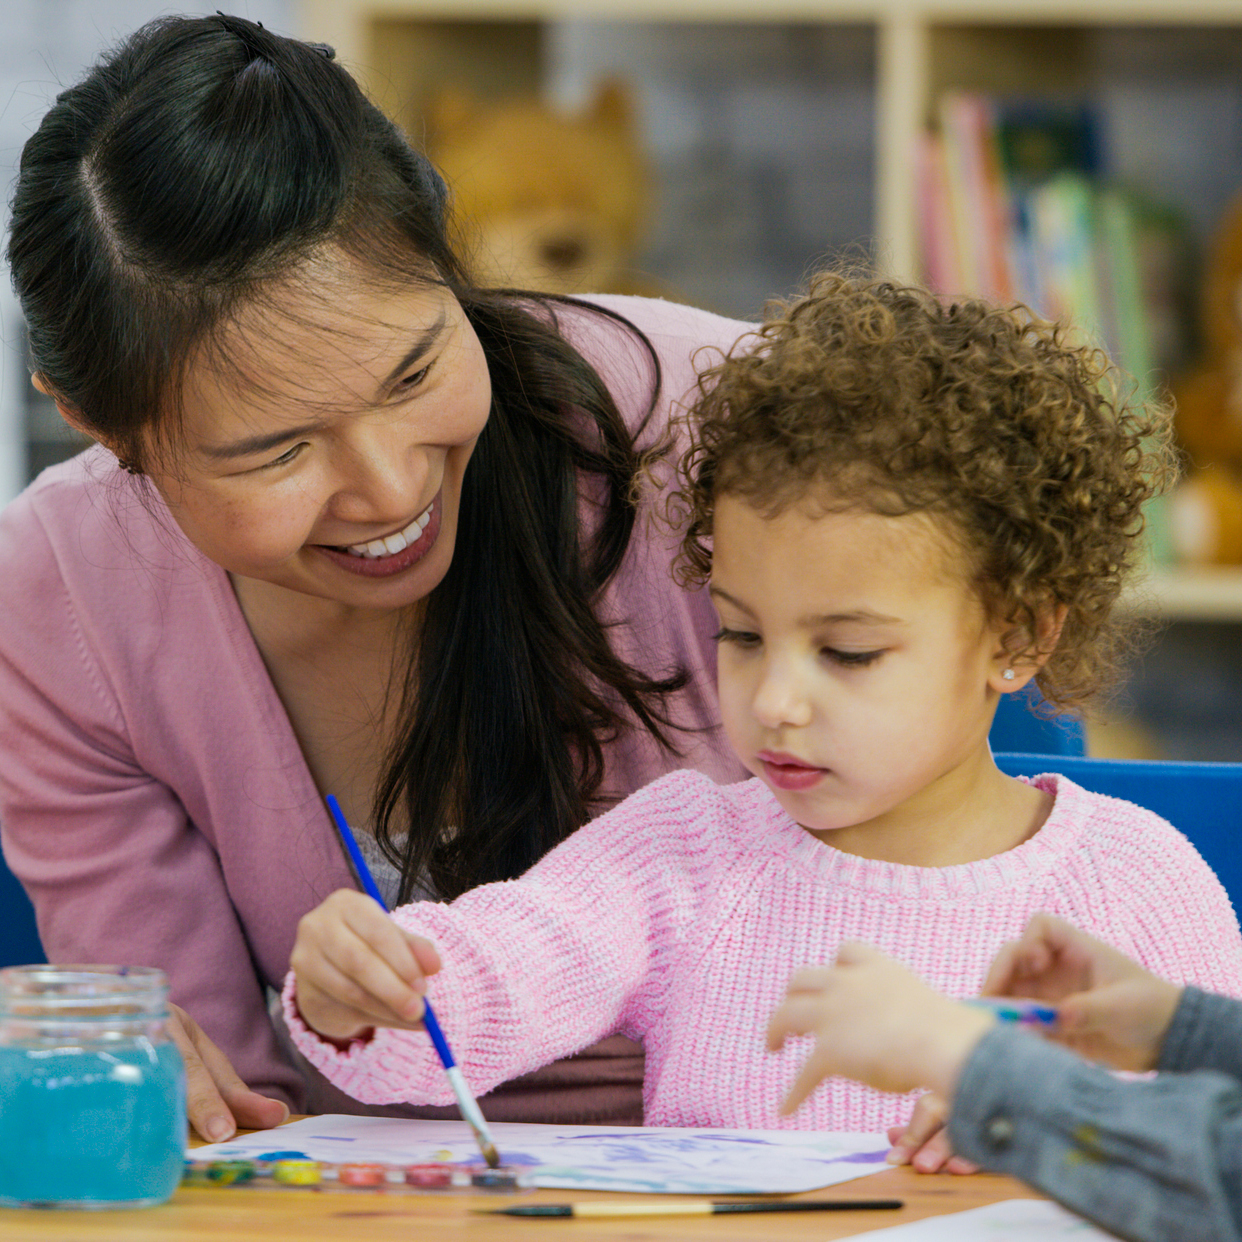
x,y
858,671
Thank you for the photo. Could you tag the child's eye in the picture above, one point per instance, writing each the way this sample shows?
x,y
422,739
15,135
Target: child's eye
x,y
852,659
740,638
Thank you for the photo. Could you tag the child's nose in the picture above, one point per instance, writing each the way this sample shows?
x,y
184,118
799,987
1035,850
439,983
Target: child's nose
x,y
781,698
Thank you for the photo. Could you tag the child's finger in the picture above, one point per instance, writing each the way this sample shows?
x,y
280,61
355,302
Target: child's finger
x,y
398,949
796,1015
925,1122
1001,972
334,1004
425,953
809,1077
374,980
960,1166
809,979
857,953
934,1154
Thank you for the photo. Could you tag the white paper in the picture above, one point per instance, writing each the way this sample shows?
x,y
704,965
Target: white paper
x,y
1014,1220
651,1160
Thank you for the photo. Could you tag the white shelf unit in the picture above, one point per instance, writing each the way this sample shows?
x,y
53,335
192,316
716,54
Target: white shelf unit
x,y
922,47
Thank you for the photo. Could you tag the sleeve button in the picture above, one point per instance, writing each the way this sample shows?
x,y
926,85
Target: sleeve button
x,y
999,1130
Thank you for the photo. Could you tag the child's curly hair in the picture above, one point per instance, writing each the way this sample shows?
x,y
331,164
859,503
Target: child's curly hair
x,y
866,394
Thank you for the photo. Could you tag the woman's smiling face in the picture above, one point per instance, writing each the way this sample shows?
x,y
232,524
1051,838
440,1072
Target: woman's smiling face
x,y
326,455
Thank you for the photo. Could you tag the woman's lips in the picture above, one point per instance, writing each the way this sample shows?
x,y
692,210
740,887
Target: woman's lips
x,y
386,566
787,772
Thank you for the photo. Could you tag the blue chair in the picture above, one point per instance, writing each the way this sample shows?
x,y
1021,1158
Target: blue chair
x,y
1202,800
19,939
1017,728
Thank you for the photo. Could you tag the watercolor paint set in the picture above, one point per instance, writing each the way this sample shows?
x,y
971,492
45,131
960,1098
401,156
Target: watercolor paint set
x,y
289,1170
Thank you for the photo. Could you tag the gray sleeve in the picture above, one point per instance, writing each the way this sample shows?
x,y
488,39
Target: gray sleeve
x,y
1150,1160
1206,1033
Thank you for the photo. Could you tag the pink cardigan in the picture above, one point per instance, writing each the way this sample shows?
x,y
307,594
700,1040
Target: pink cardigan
x,y
678,917
153,797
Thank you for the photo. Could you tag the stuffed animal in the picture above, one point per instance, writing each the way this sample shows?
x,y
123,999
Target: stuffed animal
x,y
545,201
1205,513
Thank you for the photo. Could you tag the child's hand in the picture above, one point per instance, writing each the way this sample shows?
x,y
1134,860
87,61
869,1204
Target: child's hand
x,y
874,1021
356,969
923,1142
1109,1008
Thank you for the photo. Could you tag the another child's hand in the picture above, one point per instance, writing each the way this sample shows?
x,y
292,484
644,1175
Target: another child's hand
x,y
355,969
874,1021
923,1142
1109,1008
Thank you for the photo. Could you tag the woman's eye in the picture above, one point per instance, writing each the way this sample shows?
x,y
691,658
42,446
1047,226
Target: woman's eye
x,y
739,638
284,459
413,379
852,659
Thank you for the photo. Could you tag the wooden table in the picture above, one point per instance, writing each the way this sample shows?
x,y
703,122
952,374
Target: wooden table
x,y
202,1215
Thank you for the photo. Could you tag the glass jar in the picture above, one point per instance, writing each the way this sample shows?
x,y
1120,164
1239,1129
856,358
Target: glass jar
x,y
92,1090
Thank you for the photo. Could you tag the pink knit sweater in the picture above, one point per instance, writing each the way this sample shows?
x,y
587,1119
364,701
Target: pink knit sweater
x,y
678,917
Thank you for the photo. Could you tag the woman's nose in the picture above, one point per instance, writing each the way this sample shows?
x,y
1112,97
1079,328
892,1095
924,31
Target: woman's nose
x,y
382,476
781,698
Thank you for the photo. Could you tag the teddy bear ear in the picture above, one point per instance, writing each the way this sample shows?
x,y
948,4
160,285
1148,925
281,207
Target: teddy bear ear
x,y
611,107
450,110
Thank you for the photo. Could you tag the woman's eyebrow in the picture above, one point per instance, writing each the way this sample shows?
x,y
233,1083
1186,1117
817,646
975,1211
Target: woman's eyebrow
x,y
256,444
422,343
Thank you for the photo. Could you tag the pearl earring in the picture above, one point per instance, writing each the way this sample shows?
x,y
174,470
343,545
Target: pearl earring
x,y
1008,675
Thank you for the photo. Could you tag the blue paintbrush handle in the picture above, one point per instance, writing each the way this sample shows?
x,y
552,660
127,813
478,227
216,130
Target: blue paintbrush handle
x,y
361,870
367,880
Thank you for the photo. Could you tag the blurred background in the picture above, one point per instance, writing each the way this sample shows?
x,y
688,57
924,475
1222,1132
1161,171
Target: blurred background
x,y
1083,158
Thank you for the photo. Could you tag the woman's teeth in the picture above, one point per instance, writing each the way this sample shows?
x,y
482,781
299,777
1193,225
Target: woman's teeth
x,y
390,545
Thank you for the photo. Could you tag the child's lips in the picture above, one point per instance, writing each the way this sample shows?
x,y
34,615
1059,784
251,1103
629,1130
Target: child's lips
x,y
789,772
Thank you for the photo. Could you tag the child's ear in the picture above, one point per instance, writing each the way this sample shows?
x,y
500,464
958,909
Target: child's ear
x,y
1021,655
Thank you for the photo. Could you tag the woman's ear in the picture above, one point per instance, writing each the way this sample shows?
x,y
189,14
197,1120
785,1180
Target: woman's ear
x,y
1021,655
67,412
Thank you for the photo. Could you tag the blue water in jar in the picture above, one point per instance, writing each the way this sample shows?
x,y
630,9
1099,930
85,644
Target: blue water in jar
x,y
93,1126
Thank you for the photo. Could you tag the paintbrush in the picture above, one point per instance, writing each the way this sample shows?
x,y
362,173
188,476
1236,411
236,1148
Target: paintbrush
x,y
465,1100
706,1207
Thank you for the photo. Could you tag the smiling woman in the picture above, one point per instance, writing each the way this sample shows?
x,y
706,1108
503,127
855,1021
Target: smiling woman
x,y
376,534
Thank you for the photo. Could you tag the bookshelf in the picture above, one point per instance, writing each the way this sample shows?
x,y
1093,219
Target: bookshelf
x,y
1148,58
923,47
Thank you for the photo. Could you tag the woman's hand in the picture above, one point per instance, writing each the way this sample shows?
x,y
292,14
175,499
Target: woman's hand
x,y
1109,1008
876,1022
355,969
217,1101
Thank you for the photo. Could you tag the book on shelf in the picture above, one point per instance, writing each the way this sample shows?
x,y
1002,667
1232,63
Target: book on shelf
x,y
1015,205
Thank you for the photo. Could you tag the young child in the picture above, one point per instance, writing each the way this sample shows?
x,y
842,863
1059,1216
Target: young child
x,y
904,511
1150,1161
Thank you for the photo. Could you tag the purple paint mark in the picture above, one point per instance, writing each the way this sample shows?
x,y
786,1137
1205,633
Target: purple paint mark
x,y
862,1157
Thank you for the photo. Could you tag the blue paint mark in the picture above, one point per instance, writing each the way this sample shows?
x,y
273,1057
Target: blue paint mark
x,y
283,1155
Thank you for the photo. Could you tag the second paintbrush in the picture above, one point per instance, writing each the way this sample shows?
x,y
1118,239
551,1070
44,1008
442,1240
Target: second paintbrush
x,y
701,1207
465,1100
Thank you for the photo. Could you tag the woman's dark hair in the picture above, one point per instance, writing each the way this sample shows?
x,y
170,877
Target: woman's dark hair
x,y
204,159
